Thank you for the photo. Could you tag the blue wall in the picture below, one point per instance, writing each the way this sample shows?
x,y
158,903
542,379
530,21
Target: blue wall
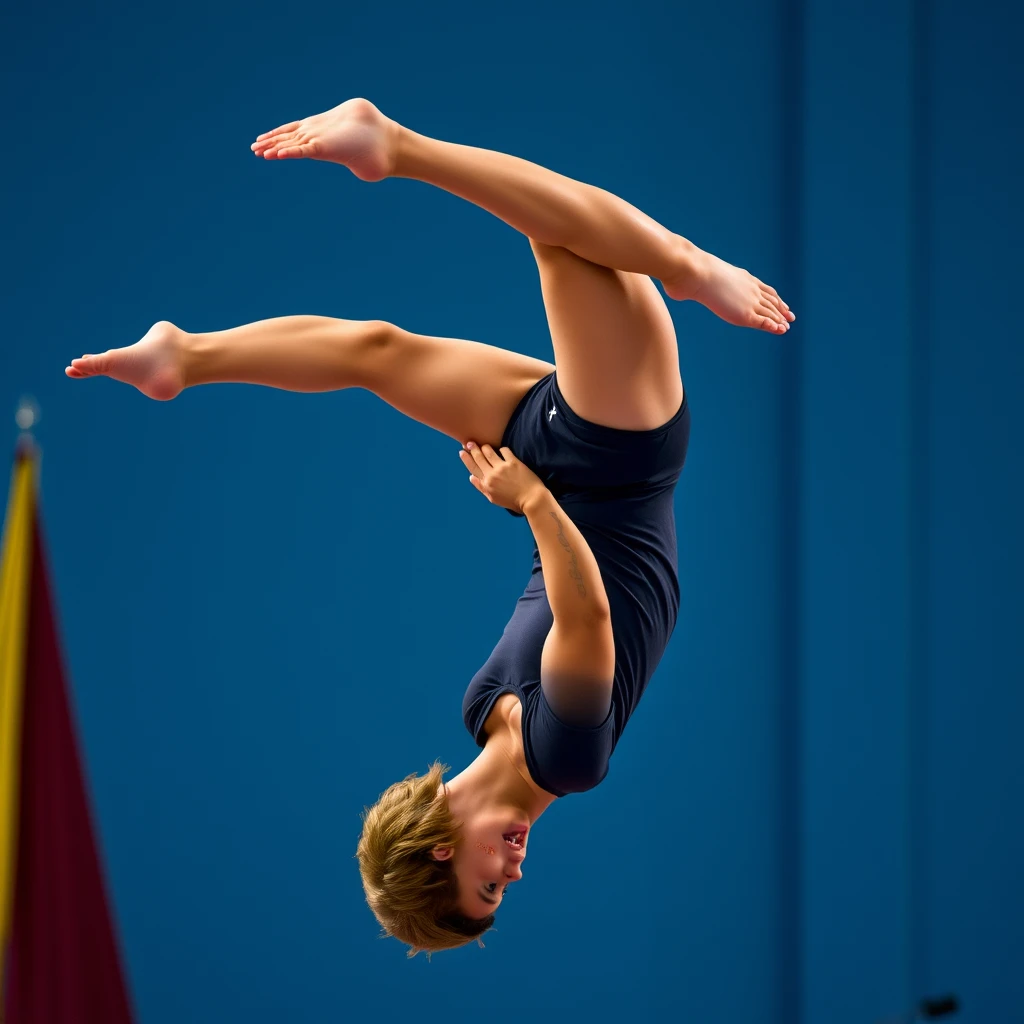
x,y
910,563
266,624
970,895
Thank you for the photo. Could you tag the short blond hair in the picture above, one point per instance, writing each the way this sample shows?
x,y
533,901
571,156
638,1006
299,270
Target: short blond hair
x,y
413,896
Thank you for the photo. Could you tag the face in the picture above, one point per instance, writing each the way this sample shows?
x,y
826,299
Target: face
x,y
488,859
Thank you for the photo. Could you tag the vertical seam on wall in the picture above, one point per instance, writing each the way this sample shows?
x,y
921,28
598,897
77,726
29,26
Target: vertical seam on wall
x,y
918,544
792,43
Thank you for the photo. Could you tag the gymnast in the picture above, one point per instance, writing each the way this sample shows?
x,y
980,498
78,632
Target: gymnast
x,y
588,450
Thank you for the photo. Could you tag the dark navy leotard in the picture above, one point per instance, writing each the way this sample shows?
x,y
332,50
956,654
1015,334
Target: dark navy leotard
x,y
617,487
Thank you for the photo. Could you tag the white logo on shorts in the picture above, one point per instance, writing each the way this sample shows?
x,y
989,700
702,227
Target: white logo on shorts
x,y
551,413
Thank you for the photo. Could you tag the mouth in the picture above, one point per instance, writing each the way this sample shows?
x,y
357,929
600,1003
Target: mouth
x,y
516,839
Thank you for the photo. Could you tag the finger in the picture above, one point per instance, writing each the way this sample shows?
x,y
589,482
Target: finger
x,y
467,461
279,131
492,456
478,456
479,486
508,455
73,373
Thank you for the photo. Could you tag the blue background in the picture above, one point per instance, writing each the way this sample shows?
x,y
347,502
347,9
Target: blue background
x,y
271,603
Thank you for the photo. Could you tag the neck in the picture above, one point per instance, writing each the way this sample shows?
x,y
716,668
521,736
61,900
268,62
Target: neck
x,y
498,776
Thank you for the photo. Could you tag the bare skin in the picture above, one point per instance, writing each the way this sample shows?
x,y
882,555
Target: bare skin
x,y
492,796
533,200
595,252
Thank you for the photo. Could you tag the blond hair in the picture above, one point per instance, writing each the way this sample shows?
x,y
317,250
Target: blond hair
x,y
413,896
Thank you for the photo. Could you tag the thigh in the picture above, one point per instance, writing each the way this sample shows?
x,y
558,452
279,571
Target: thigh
x,y
464,389
614,341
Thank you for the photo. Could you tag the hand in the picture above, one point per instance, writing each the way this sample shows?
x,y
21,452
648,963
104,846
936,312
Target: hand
x,y
502,479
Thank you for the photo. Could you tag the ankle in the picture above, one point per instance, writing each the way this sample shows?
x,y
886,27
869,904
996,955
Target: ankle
x,y
407,154
191,350
689,270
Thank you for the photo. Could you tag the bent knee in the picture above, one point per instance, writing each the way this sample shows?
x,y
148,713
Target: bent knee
x,y
375,349
381,336
544,250
548,255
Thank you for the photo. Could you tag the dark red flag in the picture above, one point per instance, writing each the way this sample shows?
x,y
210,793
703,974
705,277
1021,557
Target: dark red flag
x,y
63,965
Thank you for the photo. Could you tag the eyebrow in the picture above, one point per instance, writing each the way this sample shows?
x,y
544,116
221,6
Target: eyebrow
x,y
487,899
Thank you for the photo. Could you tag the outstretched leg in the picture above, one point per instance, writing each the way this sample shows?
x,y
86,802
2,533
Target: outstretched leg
x,y
462,388
544,205
614,342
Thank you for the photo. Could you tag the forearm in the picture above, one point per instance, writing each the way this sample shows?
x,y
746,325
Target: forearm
x,y
571,574
296,353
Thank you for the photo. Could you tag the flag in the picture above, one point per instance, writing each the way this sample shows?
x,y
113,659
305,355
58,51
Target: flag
x,y
59,961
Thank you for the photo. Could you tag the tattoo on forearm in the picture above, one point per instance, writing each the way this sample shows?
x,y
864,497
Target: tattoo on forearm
x,y
574,569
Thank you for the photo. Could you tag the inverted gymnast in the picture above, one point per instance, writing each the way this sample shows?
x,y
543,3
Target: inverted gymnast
x,y
599,439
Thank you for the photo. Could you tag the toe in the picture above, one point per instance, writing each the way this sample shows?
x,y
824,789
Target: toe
x,y
275,147
769,319
778,305
776,300
297,149
786,311
269,143
90,365
282,130
787,315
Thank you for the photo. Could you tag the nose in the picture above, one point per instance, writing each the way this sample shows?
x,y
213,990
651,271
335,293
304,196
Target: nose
x,y
513,872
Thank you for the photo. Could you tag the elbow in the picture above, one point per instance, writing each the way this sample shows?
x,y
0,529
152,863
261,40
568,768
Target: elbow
x,y
588,615
599,611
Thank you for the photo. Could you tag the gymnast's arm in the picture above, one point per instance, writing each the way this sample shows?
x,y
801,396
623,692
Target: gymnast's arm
x,y
578,660
573,580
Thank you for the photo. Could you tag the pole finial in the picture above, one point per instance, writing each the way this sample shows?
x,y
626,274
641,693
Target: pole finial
x,y
28,414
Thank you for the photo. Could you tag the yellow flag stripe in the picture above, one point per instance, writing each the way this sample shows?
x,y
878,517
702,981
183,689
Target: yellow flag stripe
x,y
15,574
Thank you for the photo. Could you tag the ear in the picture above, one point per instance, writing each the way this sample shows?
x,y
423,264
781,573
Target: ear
x,y
442,852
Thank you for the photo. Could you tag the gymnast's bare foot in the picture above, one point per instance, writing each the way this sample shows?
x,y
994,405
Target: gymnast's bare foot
x,y
155,365
355,134
736,296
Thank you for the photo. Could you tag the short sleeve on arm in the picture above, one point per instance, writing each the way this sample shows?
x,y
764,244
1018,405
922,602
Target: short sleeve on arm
x,y
564,758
